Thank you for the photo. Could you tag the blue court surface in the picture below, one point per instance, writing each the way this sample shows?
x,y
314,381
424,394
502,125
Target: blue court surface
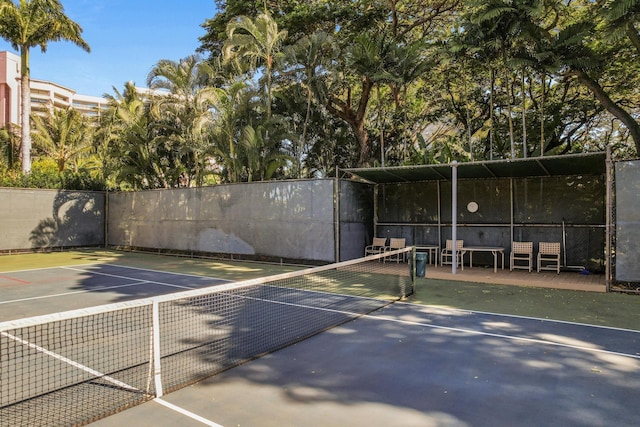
x,y
413,365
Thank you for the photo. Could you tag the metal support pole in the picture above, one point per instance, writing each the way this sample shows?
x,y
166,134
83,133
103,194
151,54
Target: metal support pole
x,y
511,210
439,217
454,216
608,220
336,216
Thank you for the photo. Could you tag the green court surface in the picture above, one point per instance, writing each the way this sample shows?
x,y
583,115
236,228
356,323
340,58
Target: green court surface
x,y
610,309
230,270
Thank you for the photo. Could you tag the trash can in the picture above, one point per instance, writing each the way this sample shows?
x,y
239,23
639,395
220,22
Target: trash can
x,y
421,263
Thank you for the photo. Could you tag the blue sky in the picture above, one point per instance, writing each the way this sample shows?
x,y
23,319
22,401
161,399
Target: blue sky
x,y
127,38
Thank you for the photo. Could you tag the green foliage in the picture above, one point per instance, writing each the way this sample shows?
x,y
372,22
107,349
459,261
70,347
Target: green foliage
x,y
28,24
64,135
298,88
45,174
9,148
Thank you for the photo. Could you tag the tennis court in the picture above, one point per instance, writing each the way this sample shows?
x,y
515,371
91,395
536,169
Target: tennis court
x,y
346,354
409,365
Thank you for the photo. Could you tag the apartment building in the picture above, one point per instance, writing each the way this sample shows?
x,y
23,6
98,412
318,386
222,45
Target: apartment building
x,y
44,95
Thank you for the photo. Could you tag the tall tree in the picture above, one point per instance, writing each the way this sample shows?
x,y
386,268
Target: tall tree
x,y
621,18
28,24
63,135
351,87
186,109
230,113
259,42
574,48
128,132
307,60
505,28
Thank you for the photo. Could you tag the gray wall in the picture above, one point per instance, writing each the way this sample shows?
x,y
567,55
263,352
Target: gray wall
x,y
627,212
285,219
36,219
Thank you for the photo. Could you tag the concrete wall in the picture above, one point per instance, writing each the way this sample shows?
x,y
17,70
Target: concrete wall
x,y
35,219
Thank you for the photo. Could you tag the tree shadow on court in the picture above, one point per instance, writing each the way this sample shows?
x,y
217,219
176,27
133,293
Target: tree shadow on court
x,y
426,366
77,219
443,369
407,364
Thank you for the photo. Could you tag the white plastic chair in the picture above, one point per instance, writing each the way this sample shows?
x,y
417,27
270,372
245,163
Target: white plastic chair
x,y
447,252
395,244
549,254
376,247
521,251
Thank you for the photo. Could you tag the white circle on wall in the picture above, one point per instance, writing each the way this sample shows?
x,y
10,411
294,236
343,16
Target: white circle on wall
x,y
472,207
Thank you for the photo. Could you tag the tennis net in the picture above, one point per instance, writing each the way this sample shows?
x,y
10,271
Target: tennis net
x,y
75,367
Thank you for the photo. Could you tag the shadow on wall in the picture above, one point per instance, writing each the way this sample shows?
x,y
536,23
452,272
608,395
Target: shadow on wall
x,y
77,220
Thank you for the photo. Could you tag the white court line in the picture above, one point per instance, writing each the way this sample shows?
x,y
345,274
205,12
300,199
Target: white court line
x,y
185,412
74,292
449,328
27,270
88,270
117,276
516,316
502,336
70,362
163,272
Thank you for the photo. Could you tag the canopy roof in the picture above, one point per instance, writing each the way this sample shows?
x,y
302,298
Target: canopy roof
x,y
568,164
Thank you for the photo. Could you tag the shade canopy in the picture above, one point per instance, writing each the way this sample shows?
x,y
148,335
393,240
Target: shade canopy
x,y
533,167
568,164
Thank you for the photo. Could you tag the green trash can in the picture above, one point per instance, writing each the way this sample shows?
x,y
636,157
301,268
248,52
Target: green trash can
x,y
421,264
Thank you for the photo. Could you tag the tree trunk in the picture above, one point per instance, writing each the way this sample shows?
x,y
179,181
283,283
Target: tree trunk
x,y
509,113
25,110
356,119
380,125
524,115
466,108
542,115
633,36
611,106
303,139
491,113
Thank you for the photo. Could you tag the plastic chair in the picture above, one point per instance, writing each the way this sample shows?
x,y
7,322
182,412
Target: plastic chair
x,y
447,252
395,244
549,253
522,251
376,247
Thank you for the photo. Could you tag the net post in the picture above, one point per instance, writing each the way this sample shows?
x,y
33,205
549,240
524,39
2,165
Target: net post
x,y
155,343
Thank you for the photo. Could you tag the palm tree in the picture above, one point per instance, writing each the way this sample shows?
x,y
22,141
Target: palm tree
x,y
621,17
186,109
9,142
263,156
63,135
308,61
257,41
228,116
29,24
128,138
504,28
